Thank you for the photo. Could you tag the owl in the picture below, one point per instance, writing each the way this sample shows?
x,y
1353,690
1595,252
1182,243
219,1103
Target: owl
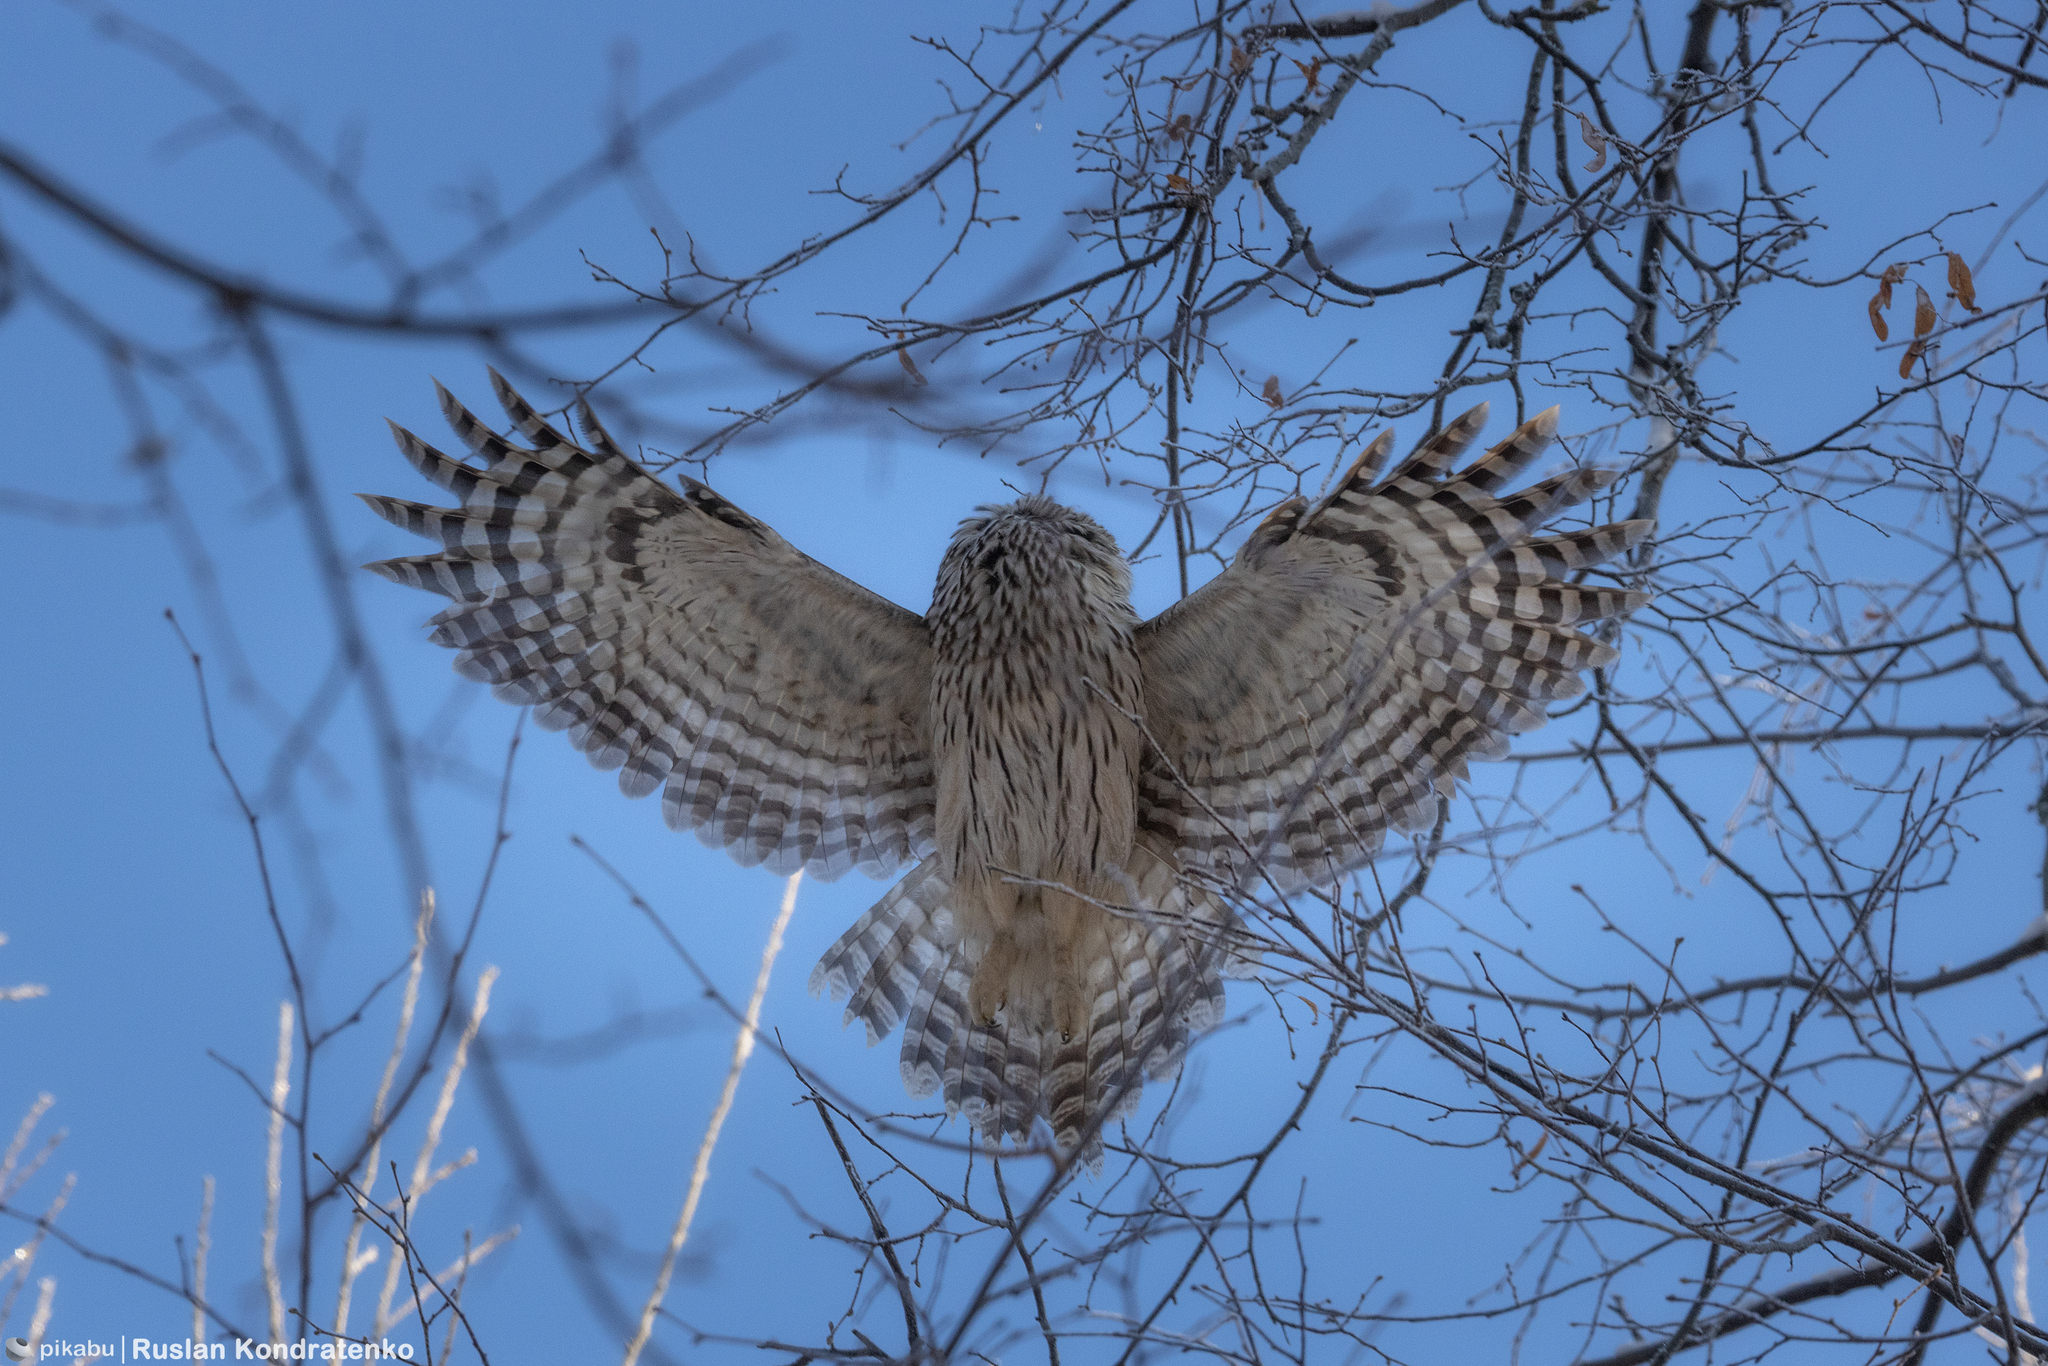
x,y
1081,796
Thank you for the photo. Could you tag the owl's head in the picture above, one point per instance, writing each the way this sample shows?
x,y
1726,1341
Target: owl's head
x,y
1012,555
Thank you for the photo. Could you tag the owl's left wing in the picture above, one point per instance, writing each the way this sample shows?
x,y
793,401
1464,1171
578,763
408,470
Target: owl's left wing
x,y
1332,682
681,641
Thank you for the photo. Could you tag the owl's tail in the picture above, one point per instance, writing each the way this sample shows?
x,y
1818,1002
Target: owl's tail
x,y
1153,983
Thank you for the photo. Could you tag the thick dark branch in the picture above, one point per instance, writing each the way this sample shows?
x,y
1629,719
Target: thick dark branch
x,y
1353,23
1936,1250
1782,737
1880,983
236,289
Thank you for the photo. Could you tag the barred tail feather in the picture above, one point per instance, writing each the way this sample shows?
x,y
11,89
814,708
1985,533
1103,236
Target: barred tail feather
x,y
974,1075
938,1019
879,965
1155,974
1014,1105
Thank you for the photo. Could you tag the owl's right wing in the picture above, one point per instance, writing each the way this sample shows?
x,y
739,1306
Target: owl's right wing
x,y
681,641
1331,684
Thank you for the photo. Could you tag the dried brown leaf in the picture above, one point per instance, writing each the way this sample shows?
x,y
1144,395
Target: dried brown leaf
x,y
1271,393
1894,273
1924,316
1179,184
1181,128
1311,72
1596,140
1914,352
909,365
1525,1159
1961,287
1240,60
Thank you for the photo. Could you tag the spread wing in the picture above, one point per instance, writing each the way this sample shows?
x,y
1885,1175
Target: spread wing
x,y
1332,682
678,640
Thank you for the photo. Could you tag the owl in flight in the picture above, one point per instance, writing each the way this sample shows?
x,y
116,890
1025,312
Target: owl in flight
x,y
1079,793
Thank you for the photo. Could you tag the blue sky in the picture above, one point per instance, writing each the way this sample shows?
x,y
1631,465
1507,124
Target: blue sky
x,y
132,890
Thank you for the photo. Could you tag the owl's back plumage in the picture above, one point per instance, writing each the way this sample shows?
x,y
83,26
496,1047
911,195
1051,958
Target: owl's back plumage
x,y
1074,787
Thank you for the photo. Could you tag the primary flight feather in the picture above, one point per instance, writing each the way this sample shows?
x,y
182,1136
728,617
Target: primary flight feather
x,y
1075,787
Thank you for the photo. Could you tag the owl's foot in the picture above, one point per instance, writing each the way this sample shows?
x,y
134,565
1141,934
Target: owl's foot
x,y
989,989
1028,992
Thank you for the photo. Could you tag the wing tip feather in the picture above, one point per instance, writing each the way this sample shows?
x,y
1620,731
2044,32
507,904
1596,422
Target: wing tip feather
x,y
451,406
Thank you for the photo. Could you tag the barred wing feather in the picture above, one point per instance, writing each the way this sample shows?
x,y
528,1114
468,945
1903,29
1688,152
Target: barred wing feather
x,y
680,641
1331,684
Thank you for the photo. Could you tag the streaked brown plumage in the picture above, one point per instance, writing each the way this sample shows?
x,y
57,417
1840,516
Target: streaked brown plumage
x,y
1035,684
1073,786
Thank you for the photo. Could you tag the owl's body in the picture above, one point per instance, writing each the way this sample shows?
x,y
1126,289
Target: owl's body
x,y
1036,685
1079,792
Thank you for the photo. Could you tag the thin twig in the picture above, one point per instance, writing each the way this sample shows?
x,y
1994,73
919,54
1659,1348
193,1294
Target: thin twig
x,y
700,1169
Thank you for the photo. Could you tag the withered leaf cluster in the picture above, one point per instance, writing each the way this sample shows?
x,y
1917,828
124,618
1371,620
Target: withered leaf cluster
x,y
1961,287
